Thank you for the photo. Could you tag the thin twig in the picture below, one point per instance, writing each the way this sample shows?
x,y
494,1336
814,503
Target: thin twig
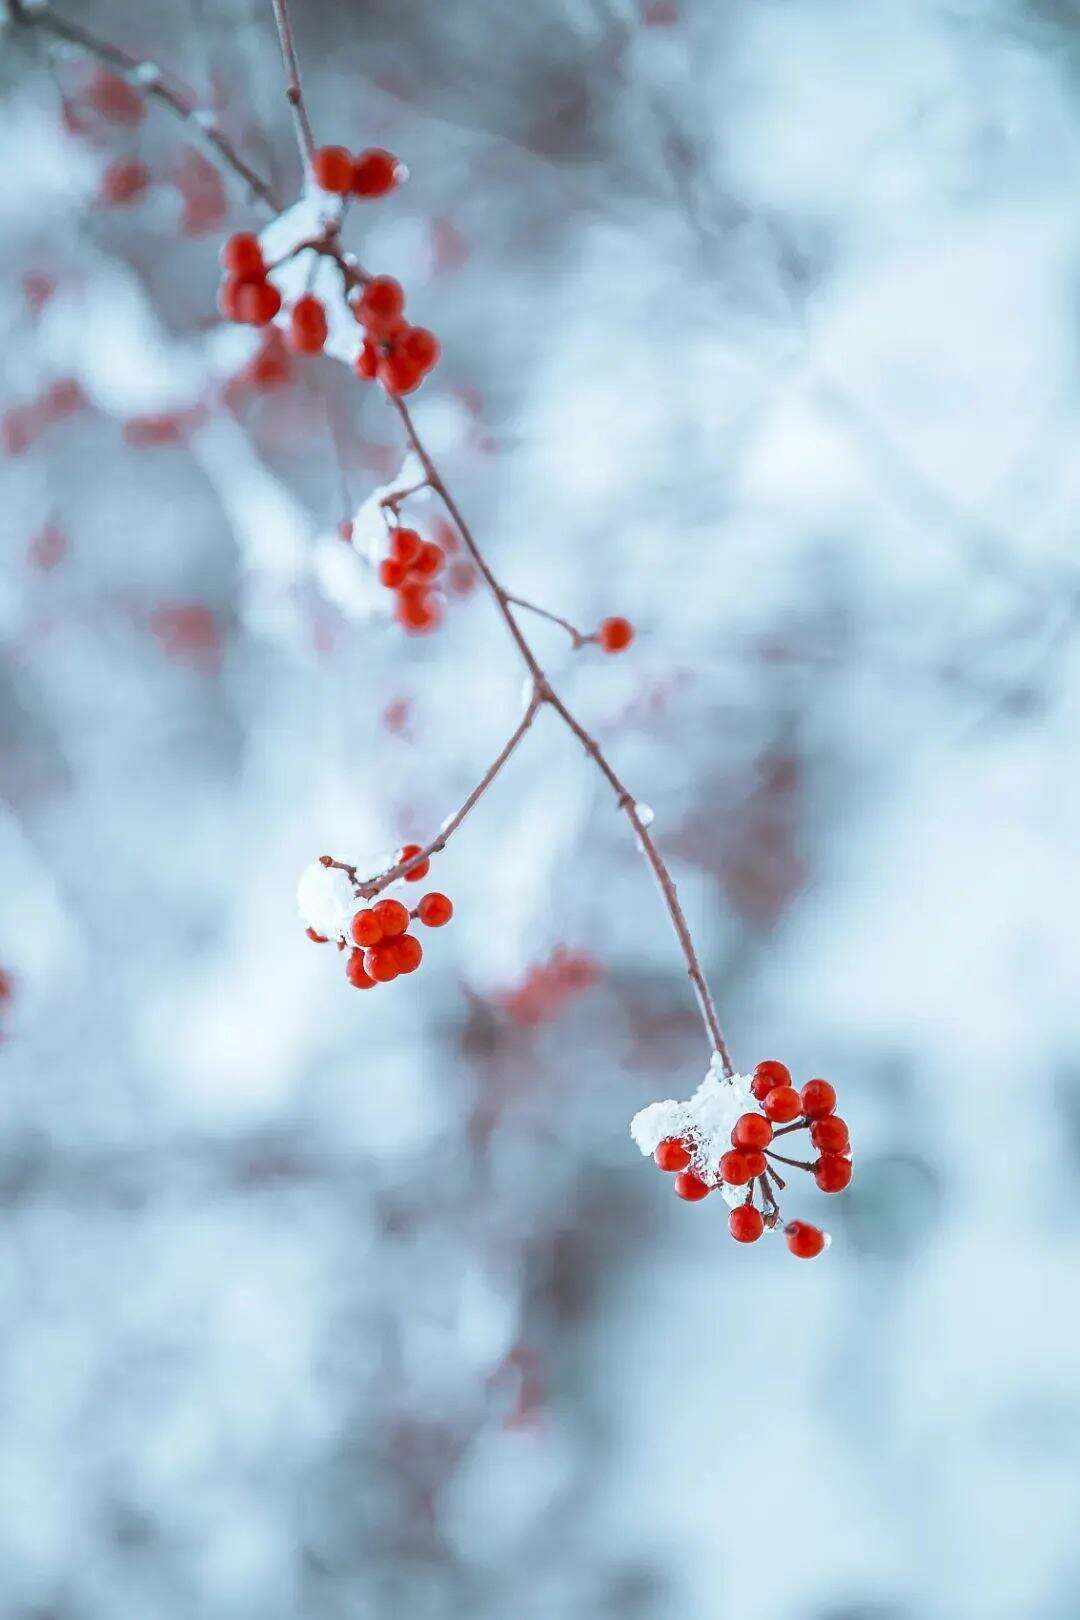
x,y
797,1164
577,638
375,886
148,77
294,93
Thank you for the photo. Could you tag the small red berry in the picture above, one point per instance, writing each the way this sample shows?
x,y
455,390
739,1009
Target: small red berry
x,y
745,1224
307,325
241,255
830,1135
345,530
367,361
392,917
804,1240
379,963
398,374
818,1099
429,560
319,939
405,853
435,910
408,953
832,1172
418,611
767,1075
782,1104
405,546
366,927
375,172
751,1131
381,303
257,302
421,348
735,1168
615,635
333,168
391,573
691,1187
671,1154
755,1159
124,181
356,971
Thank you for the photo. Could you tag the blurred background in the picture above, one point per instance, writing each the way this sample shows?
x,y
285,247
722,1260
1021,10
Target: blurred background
x,y
760,326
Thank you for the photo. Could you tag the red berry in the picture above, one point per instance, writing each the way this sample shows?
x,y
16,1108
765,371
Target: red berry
x,y
228,298
830,1135
428,560
615,635
379,962
367,361
671,1154
333,168
767,1075
307,325
751,1131
405,546
356,971
818,1099
691,1187
435,911
745,1224
408,953
755,1159
421,348
804,1240
398,374
257,302
735,1168
366,927
375,172
782,1104
124,181
405,853
392,917
391,573
319,939
832,1172
345,530
418,611
241,255
380,304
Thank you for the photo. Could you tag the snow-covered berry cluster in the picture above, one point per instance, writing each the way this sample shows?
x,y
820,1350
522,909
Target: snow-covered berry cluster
x,y
398,354
409,569
724,1139
377,936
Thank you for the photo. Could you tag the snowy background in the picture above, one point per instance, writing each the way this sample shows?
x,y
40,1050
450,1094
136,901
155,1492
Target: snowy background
x,y
760,325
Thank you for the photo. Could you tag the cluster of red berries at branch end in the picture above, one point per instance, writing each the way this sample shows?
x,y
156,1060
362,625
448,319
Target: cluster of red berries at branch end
x,y
398,354
410,569
722,1141
370,174
248,297
382,948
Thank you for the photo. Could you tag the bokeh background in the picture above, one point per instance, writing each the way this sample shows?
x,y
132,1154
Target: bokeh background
x,y
760,323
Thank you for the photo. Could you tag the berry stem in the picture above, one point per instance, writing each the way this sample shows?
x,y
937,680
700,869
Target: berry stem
x,y
376,885
577,638
155,85
798,1164
294,93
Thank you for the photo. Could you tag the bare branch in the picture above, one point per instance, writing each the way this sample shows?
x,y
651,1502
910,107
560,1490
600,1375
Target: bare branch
x,y
294,93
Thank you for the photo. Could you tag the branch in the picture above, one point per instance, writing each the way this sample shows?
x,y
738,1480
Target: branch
x,y
376,885
294,93
577,638
148,77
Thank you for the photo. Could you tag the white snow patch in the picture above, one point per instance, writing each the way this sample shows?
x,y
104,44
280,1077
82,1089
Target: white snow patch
x,y
704,1122
325,900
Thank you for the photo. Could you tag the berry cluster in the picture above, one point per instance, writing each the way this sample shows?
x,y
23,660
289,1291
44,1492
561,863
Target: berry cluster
x,y
245,294
370,174
725,1145
398,354
410,569
382,948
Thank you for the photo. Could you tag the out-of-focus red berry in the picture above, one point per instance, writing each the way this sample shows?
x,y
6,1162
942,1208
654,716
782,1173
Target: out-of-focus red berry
x,y
418,872
615,635
375,172
241,255
332,167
